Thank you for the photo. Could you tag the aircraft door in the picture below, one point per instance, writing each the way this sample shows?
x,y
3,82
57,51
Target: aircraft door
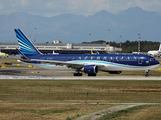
x,y
140,60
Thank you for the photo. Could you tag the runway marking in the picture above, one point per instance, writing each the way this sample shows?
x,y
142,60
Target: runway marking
x,y
26,77
110,78
82,77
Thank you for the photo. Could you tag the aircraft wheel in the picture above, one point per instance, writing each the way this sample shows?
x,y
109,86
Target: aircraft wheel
x,y
146,75
147,71
77,74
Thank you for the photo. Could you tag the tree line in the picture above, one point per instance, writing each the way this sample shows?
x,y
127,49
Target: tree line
x,y
130,46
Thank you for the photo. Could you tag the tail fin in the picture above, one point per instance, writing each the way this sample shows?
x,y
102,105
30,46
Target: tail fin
x,y
97,52
26,46
91,51
160,48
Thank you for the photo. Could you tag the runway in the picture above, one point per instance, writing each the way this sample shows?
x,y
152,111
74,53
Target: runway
x,y
109,78
61,74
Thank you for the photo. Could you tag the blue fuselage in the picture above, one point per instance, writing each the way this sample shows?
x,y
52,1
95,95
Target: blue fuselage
x,y
124,59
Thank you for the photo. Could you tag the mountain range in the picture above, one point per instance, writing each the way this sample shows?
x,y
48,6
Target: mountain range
x,y
71,28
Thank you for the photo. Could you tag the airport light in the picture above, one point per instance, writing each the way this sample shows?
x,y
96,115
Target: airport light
x,y
35,37
120,43
109,42
30,36
89,38
139,43
109,37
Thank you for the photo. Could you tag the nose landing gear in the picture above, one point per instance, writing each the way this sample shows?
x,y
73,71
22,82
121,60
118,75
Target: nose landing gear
x,y
147,72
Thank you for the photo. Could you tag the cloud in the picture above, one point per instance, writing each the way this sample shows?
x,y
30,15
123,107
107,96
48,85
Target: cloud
x,y
149,5
1,6
50,8
88,7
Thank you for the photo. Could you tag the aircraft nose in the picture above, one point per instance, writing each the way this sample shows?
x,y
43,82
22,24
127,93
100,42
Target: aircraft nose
x,y
156,62
4,54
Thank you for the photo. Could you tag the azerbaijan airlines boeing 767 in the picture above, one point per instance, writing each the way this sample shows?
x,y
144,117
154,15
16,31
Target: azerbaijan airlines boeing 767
x,y
87,63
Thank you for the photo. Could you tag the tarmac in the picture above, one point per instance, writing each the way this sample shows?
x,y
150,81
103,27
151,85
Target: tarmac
x,y
60,74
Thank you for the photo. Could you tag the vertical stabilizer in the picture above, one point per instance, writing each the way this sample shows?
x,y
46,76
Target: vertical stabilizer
x,y
26,46
91,51
160,48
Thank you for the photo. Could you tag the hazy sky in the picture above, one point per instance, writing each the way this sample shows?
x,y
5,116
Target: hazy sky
x,y
49,8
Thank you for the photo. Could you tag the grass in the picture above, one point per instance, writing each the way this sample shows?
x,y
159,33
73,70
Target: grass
x,y
144,112
8,60
48,99
46,111
22,91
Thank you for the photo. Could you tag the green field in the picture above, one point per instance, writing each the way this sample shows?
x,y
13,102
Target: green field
x,y
54,99
61,99
144,112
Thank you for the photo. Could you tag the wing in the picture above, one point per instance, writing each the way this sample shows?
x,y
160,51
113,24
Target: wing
x,y
60,63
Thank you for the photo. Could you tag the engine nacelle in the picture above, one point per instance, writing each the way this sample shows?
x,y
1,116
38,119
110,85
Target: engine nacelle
x,y
90,69
115,72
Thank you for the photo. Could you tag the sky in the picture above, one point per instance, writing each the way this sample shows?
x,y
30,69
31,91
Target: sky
x,y
49,8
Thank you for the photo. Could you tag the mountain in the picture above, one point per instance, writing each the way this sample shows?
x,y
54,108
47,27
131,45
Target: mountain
x,y
71,28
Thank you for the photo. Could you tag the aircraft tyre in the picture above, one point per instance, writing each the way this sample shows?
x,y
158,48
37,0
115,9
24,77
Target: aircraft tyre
x,y
77,74
94,74
147,71
146,75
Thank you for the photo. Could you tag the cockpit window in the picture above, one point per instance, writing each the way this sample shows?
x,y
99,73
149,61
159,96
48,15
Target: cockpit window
x,y
151,59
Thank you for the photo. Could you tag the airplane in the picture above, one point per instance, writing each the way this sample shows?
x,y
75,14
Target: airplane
x,y
94,53
54,52
87,63
3,54
155,52
91,51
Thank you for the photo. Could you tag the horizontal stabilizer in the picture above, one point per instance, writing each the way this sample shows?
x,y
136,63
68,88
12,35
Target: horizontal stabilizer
x,y
21,54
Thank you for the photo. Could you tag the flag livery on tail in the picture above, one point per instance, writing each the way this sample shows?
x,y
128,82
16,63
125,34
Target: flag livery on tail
x,y
27,48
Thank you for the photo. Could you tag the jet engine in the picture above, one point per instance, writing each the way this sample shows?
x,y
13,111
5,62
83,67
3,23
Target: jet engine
x,y
90,69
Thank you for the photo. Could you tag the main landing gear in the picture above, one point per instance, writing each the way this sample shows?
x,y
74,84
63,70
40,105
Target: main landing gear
x,y
147,71
80,74
77,74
